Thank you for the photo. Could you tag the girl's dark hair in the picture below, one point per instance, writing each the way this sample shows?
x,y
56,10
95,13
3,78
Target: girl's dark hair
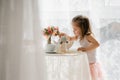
x,y
83,23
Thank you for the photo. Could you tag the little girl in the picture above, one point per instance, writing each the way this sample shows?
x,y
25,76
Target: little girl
x,y
82,31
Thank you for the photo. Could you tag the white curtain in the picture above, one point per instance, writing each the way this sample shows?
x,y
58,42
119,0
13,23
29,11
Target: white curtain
x,y
21,56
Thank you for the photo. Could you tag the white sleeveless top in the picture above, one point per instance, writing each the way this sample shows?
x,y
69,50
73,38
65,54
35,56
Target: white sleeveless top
x,y
91,54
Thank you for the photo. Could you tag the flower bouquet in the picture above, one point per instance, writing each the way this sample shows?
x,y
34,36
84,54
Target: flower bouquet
x,y
49,31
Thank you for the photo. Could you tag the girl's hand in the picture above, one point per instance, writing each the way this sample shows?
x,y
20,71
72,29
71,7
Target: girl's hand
x,y
82,49
62,34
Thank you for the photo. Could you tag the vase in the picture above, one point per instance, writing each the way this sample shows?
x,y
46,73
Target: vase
x,y
49,40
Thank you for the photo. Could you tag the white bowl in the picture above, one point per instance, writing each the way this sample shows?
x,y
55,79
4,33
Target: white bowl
x,y
50,48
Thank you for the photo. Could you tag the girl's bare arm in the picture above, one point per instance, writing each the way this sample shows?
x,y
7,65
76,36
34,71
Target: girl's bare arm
x,y
70,38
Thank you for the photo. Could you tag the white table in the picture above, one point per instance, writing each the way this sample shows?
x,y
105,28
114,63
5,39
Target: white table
x,y
68,66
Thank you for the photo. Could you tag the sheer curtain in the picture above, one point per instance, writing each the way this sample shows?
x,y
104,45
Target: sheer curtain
x,y
21,56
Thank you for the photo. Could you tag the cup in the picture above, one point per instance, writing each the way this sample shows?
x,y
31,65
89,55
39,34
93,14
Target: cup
x,y
50,48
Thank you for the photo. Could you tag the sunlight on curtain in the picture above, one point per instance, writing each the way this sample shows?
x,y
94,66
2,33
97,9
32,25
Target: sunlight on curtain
x,y
21,56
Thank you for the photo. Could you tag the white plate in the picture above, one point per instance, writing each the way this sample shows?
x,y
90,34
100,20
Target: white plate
x,y
51,52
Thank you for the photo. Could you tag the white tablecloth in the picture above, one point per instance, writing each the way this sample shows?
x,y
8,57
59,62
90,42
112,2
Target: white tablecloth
x,y
68,66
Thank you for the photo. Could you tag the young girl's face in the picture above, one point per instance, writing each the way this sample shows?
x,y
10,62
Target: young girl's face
x,y
76,29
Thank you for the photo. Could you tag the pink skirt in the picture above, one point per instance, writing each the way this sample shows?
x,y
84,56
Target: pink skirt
x,y
96,71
